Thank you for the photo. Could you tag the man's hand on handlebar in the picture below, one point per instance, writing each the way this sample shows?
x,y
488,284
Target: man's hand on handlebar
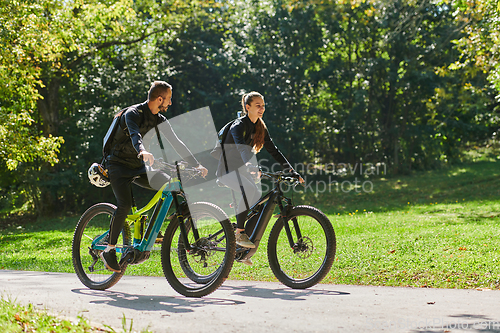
x,y
161,164
202,170
147,157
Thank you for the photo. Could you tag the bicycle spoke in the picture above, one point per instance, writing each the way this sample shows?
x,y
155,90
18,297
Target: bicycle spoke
x,y
199,271
88,265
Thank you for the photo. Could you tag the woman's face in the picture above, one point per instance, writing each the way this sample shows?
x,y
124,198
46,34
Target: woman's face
x,y
256,108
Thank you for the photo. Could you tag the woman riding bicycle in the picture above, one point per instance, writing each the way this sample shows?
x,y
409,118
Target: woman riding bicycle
x,y
246,137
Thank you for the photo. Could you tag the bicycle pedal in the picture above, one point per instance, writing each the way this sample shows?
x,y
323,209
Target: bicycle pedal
x,y
247,262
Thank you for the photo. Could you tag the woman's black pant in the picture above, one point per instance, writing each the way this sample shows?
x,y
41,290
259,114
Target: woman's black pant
x,y
250,189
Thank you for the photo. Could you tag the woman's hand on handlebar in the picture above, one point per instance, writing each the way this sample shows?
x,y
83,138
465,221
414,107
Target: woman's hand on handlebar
x,y
298,177
253,170
295,175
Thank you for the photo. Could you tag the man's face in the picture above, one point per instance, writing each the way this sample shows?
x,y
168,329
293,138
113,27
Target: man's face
x,y
166,101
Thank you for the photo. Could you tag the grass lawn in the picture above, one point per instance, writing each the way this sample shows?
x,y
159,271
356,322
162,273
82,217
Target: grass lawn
x,y
430,229
18,318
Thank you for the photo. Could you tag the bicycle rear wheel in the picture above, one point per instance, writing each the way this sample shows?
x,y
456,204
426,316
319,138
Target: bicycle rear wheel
x,y
201,270
311,257
88,265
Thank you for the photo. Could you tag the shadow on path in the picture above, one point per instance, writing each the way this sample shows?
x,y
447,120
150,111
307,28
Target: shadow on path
x,y
181,304
280,293
174,304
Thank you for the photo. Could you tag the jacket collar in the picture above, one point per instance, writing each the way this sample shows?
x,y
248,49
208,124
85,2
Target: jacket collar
x,y
144,107
247,120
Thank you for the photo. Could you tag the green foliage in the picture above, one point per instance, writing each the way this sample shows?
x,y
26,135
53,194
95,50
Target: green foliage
x,y
20,145
480,20
17,318
75,32
404,83
386,86
21,49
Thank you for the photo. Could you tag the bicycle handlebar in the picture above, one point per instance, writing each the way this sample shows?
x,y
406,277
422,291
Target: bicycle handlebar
x,y
281,177
183,167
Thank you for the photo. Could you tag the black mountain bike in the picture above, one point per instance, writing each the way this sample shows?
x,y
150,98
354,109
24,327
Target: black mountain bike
x,y
301,246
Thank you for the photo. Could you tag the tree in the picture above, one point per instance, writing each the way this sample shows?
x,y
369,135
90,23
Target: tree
x,y
73,31
480,22
353,81
385,71
21,49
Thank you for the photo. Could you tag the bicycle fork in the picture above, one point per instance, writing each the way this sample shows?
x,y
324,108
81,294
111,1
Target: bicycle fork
x,y
182,226
285,212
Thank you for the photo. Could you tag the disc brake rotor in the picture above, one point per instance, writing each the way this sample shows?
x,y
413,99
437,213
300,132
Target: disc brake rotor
x,y
304,247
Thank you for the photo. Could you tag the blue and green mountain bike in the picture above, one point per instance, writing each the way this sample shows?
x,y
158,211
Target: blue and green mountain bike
x,y
197,248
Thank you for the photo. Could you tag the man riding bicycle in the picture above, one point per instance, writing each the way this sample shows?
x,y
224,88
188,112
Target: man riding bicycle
x,y
127,160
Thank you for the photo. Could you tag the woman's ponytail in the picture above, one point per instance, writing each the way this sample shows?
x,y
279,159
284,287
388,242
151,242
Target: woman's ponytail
x,y
260,134
243,103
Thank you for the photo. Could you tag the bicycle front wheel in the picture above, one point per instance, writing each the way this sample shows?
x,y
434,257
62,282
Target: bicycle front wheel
x,y
309,257
199,271
88,265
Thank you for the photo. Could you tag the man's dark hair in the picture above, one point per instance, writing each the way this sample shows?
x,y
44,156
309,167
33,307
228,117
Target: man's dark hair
x,y
158,88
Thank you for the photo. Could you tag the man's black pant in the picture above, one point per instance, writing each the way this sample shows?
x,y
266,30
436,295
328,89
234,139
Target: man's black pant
x,y
121,179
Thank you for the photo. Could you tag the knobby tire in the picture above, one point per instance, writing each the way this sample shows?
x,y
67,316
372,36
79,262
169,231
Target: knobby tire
x,y
312,259
190,274
93,223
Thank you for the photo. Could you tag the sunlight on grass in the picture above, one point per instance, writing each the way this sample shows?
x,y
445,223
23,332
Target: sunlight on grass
x,y
420,248
18,318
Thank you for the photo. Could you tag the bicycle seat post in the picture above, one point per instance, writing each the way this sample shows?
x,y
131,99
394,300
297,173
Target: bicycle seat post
x,y
132,196
234,204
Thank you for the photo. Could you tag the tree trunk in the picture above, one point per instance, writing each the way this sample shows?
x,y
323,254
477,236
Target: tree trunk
x,y
49,113
49,106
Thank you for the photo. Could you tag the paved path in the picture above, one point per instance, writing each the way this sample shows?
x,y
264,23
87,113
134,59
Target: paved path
x,y
242,306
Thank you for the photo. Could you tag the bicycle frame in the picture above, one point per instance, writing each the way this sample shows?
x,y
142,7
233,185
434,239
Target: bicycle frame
x,y
163,200
263,211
